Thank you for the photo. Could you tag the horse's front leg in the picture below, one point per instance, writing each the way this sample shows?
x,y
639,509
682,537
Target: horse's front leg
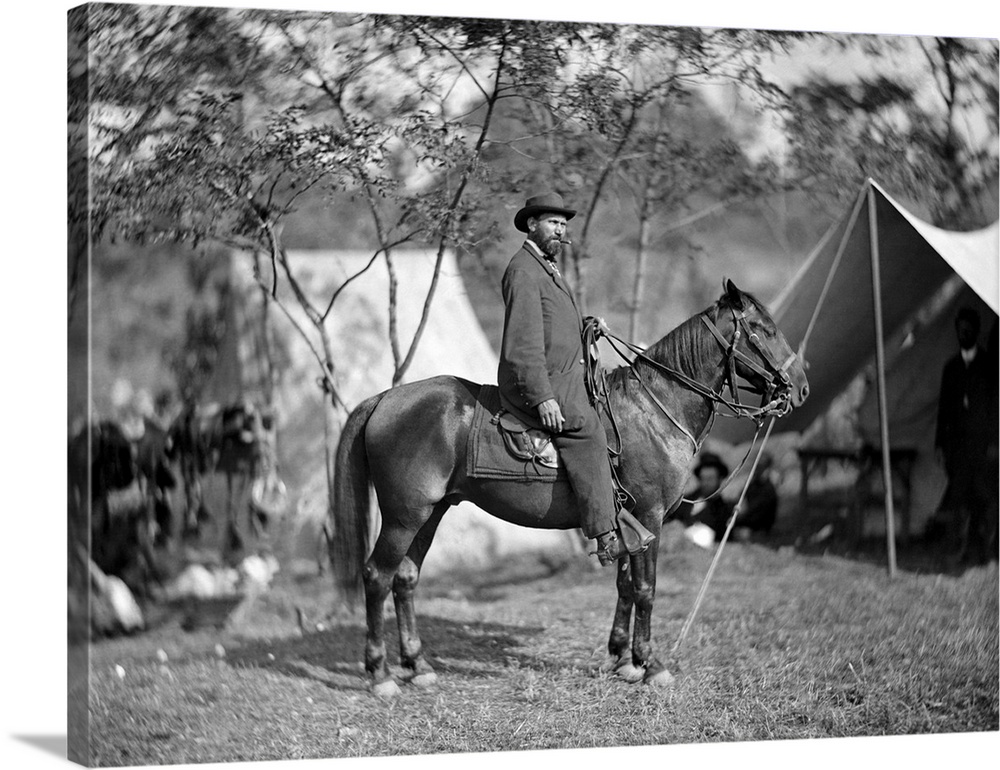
x,y
644,591
618,642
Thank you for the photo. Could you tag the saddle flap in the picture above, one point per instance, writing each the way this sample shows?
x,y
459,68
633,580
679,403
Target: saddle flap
x,y
526,443
510,422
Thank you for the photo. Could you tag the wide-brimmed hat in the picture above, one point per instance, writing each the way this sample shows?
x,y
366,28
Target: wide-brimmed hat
x,y
541,204
711,460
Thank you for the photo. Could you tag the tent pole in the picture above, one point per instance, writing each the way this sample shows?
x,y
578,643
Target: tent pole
x,y
883,416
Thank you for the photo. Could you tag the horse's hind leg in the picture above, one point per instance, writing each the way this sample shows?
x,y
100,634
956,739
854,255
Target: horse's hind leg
x,y
419,671
379,576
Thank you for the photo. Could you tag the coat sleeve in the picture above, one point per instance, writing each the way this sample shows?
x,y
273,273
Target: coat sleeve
x,y
523,344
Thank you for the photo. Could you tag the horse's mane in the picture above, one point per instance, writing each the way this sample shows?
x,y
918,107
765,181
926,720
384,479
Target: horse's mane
x,y
685,347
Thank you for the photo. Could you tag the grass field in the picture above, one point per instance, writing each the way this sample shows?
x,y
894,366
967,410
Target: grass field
x,y
787,645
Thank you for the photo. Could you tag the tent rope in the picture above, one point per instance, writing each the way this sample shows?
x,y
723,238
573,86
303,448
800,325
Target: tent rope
x,y
689,621
833,271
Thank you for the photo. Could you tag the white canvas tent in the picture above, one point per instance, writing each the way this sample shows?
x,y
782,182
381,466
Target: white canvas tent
x,y
826,311
240,369
865,280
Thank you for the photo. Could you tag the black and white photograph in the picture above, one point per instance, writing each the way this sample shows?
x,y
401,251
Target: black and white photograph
x,y
456,384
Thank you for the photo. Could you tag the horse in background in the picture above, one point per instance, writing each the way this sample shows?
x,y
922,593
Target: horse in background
x,y
234,441
101,461
109,475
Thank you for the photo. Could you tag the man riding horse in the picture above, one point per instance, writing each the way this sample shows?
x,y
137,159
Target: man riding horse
x,y
541,374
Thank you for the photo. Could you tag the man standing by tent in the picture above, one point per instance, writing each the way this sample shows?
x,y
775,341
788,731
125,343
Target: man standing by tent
x,y
541,374
967,414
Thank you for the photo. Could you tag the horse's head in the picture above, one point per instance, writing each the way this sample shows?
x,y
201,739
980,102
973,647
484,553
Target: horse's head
x,y
758,352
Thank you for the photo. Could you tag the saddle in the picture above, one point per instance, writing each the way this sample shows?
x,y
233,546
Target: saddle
x,y
535,445
524,442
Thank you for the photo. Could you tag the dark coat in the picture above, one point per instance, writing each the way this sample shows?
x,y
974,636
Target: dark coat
x,y
760,506
541,355
966,428
966,407
715,513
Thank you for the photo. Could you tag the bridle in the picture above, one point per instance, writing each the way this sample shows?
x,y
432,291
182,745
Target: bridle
x,y
775,393
777,390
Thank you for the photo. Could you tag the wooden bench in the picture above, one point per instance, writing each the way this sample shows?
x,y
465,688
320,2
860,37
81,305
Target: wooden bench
x,y
867,460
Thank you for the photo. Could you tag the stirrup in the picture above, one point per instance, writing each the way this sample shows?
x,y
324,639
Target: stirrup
x,y
635,537
609,548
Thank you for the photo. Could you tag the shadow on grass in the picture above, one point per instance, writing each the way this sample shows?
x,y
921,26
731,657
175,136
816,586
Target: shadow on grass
x,y
921,555
335,655
828,528
499,581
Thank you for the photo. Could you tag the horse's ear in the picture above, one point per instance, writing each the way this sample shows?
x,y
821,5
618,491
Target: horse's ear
x,y
734,294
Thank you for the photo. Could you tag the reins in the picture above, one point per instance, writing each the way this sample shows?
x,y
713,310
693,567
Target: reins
x,y
738,409
725,482
697,443
592,332
598,392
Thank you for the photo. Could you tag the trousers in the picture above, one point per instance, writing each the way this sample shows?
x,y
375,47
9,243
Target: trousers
x,y
584,454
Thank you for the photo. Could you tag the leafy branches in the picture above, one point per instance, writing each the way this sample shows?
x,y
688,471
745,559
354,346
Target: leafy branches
x,y
940,139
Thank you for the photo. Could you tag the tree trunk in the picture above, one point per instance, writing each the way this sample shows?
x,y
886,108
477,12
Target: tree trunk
x,y
266,342
397,356
331,425
449,214
581,252
641,258
653,182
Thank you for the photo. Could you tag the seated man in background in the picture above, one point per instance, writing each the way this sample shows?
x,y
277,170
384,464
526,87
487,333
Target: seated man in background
x,y
708,508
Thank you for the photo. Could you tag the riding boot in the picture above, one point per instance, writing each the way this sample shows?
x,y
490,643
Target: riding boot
x,y
635,536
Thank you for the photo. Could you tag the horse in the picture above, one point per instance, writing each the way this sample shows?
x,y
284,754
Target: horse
x,y
229,440
409,444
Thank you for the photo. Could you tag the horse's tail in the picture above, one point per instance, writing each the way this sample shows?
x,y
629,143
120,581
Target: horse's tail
x,y
351,512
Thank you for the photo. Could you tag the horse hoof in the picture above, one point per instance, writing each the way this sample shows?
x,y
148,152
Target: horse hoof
x,y
386,690
630,672
427,679
661,680
610,665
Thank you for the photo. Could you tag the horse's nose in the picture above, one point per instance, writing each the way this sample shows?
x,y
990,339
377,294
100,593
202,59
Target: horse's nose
x,y
803,394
